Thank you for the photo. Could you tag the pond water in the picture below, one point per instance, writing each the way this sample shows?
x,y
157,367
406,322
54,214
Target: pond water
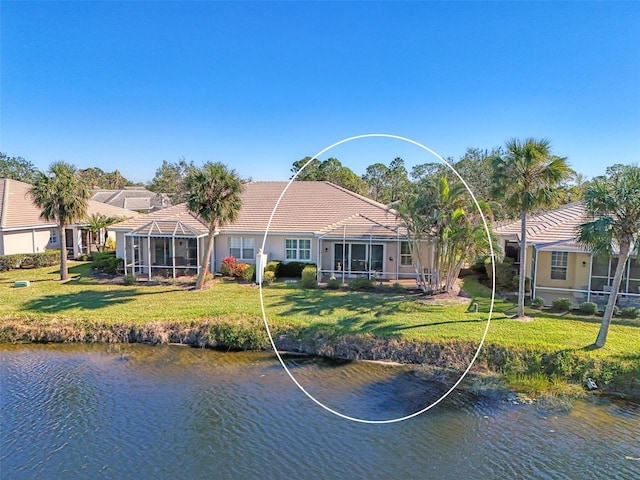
x,y
166,412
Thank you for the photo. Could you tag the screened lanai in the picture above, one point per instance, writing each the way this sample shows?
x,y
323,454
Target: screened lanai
x,y
165,248
360,246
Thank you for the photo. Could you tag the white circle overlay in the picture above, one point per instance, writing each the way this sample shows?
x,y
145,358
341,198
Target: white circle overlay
x,y
493,291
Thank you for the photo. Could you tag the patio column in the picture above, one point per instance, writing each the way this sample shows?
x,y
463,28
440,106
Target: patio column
x,y
173,256
125,253
149,253
534,274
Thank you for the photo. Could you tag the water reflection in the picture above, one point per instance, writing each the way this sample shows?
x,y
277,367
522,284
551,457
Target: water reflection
x,y
131,411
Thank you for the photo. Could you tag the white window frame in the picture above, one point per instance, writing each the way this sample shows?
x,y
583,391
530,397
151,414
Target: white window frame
x,y
245,245
559,265
293,249
53,237
406,259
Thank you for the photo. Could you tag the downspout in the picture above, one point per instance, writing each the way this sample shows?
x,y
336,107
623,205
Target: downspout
x,y
398,255
369,256
589,279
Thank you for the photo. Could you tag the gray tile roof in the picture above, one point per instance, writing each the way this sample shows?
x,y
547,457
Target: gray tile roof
x,y
132,198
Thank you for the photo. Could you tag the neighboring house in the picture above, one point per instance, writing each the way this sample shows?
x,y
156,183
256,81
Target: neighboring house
x,y
22,230
343,233
560,267
137,199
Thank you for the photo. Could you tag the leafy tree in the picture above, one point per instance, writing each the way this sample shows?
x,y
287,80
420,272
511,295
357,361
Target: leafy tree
x,y
330,170
397,180
214,195
443,214
525,177
63,197
17,168
96,177
170,178
375,177
613,204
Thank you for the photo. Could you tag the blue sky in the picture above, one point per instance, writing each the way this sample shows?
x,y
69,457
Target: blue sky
x,y
125,85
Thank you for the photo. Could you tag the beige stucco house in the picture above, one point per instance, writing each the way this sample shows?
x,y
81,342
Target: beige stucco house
x,y
22,230
560,267
343,233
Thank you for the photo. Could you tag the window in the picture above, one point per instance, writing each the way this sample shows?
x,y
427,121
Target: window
x,y
242,248
297,249
53,236
559,262
405,254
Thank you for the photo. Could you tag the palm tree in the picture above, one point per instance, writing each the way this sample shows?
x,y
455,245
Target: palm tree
x,y
613,203
96,223
442,213
526,177
63,197
214,195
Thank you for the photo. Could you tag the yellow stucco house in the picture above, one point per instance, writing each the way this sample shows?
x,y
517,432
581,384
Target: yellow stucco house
x,y
559,267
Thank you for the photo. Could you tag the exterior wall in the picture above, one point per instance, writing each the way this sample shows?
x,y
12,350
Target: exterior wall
x,y
274,247
577,273
26,241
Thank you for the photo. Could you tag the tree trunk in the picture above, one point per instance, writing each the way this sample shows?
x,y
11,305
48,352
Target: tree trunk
x,y
625,250
206,259
64,269
523,261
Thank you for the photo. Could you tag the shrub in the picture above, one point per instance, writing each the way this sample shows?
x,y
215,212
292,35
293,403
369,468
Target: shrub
x,y
616,310
504,274
228,267
240,269
268,277
47,258
590,308
273,266
130,279
537,302
291,269
562,304
479,267
629,312
361,283
515,283
309,279
249,273
334,284
107,262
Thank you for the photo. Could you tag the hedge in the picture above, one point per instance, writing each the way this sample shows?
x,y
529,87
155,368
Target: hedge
x,y
48,258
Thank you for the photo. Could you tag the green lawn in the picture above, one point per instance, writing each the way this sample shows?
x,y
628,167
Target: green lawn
x,y
390,314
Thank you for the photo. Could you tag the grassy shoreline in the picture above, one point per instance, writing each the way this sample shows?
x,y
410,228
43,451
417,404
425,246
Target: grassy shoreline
x,y
534,357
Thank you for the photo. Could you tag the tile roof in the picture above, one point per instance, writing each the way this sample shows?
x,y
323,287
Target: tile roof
x,y
556,227
176,214
17,209
132,198
305,207
311,207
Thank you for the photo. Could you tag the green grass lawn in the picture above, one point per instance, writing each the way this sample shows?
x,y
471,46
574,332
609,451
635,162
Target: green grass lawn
x,y
344,312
